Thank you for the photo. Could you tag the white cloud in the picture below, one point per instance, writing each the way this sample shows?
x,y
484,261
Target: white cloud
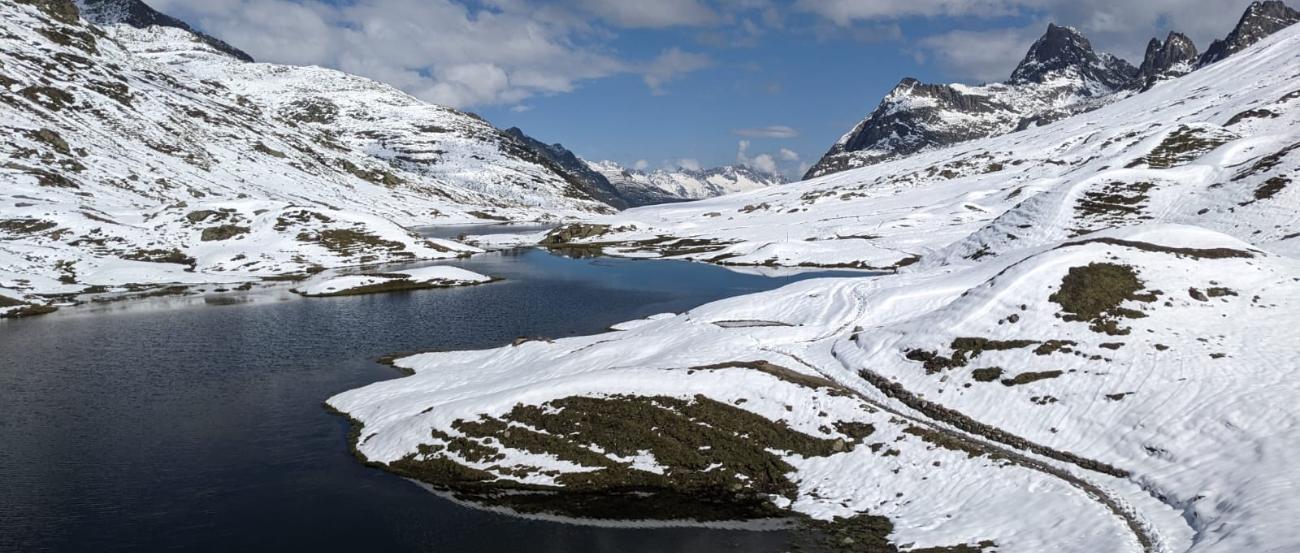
x,y
641,165
651,13
766,162
439,50
845,12
984,56
773,131
688,164
671,64
520,108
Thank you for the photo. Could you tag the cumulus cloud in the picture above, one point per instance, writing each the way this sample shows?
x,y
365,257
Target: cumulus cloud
x,y
786,161
984,56
449,51
655,13
688,164
671,64
845,12
772,131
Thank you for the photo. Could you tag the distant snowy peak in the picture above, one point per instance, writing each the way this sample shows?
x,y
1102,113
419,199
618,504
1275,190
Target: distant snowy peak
x,y
139,15
1260,20
1063,50
1060,76
675,185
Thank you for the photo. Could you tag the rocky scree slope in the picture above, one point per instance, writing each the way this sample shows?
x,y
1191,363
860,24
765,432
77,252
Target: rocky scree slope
x,y
1059,77
1092,348
143,156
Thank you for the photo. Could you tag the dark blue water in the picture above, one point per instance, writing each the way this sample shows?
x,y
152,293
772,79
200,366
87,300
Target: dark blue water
x,y
175,425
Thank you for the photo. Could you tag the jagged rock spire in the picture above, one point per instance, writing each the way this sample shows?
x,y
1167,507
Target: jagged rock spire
x,y
1173,57
1063,49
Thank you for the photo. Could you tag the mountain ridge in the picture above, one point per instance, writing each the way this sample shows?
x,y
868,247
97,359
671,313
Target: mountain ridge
x,y
1060,76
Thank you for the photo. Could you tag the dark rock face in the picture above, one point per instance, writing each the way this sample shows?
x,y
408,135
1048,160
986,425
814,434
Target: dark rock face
x,y
573,169
138,14
61,10
1063,49
1174,57
1260,20
895,131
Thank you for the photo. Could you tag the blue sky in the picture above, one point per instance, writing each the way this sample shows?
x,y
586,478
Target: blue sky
x,y
681,82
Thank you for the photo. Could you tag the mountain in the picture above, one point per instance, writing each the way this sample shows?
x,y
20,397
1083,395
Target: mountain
x,y
138,14
622,188
1172,58
1060,71
1260,20
134,157
1064,52
642,188
1078,337
592,182
1061,76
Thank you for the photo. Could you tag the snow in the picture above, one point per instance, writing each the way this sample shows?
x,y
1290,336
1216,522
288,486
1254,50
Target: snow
x,y
161,128
1190,399
683,184
435,276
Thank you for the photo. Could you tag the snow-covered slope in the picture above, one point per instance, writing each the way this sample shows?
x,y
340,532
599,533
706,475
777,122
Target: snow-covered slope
x,y
1089,345
675,185
145,155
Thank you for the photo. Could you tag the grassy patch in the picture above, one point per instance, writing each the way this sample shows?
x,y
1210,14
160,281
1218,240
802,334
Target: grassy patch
x,y
988,374
1194,253
1028,377
160,256
1271,187
1095,294
222,232
26,226
1181,146
963,350
716,457
348,242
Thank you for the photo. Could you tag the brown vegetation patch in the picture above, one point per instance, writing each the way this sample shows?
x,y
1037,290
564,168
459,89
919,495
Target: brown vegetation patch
x,y
1028,377
1095,294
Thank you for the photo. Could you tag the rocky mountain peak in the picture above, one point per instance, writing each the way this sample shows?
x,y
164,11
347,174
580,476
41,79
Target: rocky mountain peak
x,y
1260,20
1062,49
1173,57
140,15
